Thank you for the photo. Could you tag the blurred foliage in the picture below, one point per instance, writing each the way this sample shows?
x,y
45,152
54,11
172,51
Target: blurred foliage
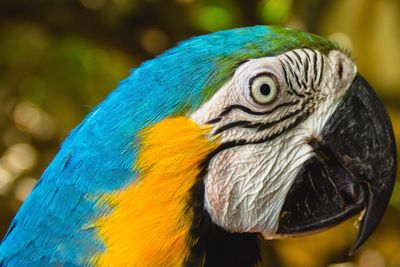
x,y
59,58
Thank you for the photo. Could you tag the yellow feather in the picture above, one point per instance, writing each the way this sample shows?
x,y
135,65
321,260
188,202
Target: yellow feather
x,y
151,220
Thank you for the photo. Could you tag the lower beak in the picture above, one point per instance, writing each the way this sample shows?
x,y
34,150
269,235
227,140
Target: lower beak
x,y
353,170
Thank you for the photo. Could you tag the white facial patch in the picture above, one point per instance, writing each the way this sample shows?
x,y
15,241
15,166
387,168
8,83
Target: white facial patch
x,y
267,143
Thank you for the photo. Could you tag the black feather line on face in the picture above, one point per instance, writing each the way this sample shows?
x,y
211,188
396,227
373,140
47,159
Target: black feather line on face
x,y
298,61
213,121
315,55
231,125
286,76
293,74
242,142
289,58
284,72
307,63
244,123
268,125
287,67
321,71
252,112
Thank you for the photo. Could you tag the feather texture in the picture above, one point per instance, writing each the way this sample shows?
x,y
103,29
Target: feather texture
x,y
144,231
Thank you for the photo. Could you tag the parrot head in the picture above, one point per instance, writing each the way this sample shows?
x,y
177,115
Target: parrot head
x,y
305,144
258,131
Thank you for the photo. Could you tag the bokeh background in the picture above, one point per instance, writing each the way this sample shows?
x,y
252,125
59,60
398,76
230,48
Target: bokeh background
x,y
59,58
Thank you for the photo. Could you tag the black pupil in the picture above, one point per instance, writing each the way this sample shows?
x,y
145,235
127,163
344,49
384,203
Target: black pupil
x,y
265,89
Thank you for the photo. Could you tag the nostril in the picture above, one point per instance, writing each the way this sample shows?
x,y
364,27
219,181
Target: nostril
x,y
340,69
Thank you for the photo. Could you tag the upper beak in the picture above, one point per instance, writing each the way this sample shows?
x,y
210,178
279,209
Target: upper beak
x,y
353,170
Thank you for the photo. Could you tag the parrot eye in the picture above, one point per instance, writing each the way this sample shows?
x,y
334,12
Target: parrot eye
x,y
263,88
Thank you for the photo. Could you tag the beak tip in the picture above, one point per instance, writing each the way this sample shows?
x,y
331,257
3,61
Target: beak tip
x,y
376,204
363,235
356,245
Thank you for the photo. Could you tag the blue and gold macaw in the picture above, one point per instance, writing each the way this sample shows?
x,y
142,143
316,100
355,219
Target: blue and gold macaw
x,y
228,137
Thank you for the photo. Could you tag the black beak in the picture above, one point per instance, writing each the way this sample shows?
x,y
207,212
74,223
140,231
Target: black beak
x,y
353,170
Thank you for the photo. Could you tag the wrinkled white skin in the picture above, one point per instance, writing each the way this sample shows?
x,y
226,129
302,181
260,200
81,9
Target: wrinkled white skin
x,y
246,185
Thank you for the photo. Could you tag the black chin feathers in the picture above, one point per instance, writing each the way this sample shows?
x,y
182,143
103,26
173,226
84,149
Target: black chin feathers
x,y
215,246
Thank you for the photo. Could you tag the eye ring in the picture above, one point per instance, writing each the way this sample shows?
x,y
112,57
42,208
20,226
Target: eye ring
x,y
264,88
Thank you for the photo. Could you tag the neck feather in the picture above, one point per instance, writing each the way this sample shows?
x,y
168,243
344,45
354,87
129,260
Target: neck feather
x,y
159,219
151,219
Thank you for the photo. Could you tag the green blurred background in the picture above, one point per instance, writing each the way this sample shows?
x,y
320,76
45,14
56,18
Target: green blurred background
x,y
59,58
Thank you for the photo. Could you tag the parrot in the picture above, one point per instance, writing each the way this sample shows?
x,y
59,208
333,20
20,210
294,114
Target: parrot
x,y
205,151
